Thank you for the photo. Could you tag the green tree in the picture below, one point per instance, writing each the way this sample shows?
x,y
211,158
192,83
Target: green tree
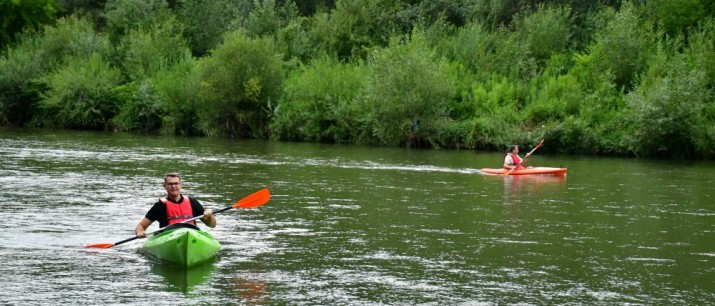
x,y
20,15
205,22
239,83
177,93
407,93
354,27
70,37
38,54
547,31
19,67
623,46
123,16
472,45
671,110
81,94
320,103
146,50
267,18
676,16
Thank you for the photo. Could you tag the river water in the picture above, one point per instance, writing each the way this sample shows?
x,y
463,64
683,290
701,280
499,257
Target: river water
x,y
350,225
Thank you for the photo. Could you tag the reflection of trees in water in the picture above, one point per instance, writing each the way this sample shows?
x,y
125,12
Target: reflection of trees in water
x,y
251,292
516,185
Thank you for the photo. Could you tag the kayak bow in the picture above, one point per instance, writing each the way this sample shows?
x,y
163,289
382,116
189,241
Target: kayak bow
x,y
182,245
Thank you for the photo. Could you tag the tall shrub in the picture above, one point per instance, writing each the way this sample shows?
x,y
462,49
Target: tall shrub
x,y
474,46
205,22
27,15
240,82
547,31
81,94
676,16
319,103
19,67
146,50
177,96
623,46
123,16
493,118
670,110
70,37
407,94
37,54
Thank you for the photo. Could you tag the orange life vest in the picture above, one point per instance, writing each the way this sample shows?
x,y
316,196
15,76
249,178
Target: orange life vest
x,y
517,161
177,212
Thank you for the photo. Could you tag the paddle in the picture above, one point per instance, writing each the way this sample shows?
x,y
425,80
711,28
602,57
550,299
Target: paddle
x,y
525,157
255,199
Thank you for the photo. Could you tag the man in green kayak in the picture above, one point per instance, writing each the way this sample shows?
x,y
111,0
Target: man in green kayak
x,y
174,208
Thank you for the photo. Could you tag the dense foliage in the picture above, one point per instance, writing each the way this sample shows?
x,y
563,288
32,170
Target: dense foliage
x,y
629,78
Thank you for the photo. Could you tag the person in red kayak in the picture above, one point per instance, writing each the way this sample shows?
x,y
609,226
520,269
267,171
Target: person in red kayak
x,y
512,159
174,208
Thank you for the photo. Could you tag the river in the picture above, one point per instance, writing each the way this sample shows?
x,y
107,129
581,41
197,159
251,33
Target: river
x,y
352,225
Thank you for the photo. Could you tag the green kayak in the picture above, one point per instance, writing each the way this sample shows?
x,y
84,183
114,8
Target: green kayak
x,y
182,244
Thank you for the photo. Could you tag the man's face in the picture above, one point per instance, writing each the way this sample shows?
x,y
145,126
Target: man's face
x,y
173,186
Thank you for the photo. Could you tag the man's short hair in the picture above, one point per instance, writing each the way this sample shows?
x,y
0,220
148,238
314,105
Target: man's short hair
x,y
173,174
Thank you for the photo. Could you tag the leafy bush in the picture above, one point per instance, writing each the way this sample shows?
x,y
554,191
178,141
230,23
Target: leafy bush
x,y
81,94
496,116
676,16
547,31
267,18
72,37
147,50
19,16
573,135
473,46
139,108
554,99
671,110
700,47
18,93
205,22
353,28
319,103
622,47
294,42
407,93
238,83
34,56
177,92
122,16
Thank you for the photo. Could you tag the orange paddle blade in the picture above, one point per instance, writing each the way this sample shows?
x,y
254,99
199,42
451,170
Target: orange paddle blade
x,y
100,246
256,199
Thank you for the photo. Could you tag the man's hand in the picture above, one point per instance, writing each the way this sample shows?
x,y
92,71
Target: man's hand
x,y
209,218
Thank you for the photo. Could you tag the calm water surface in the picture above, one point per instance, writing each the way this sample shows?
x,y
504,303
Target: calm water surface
x,y
352,225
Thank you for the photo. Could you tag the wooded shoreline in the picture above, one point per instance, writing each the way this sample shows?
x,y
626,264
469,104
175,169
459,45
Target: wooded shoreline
x,y
620,78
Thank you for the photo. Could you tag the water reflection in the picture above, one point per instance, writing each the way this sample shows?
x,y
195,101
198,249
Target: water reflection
x,y
251,291
181,279
531,182
517,187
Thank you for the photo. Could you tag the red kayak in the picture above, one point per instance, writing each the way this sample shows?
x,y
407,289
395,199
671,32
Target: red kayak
x,y
527,171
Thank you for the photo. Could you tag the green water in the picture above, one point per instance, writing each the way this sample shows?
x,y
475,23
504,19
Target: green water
x,y
352,225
